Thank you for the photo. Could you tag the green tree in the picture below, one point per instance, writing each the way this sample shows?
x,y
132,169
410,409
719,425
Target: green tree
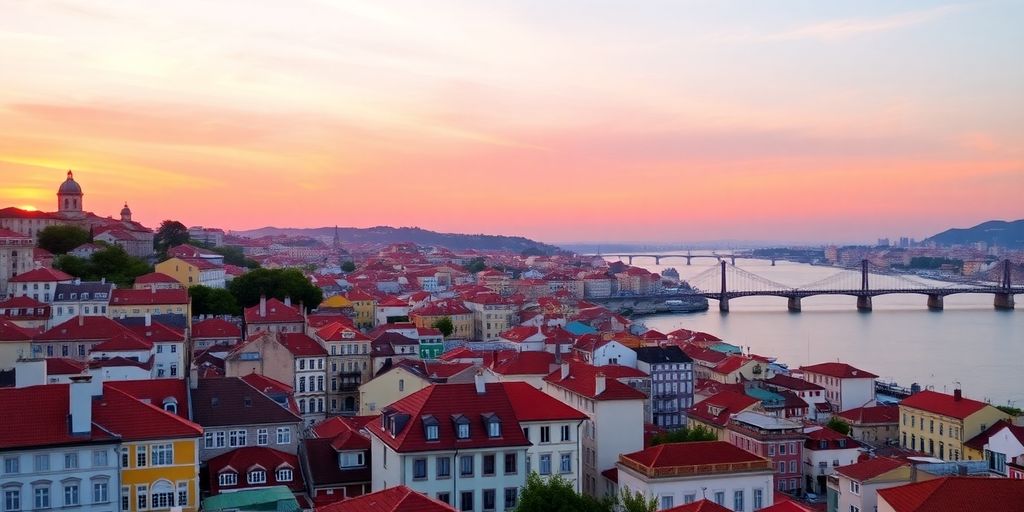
x,y
636,502
169,234
685,435
62,238
556,494
234,256
444,324
838,425
475,265
278,283
348,266
213,301
111,263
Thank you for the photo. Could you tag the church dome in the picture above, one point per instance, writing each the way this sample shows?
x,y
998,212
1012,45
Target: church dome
x,y
126,211
70,186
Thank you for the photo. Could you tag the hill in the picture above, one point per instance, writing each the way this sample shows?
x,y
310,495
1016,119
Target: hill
x,y
993,232
389,235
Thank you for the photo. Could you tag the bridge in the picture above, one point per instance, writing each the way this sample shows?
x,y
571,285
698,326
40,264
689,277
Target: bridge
x,y
688,257
724,282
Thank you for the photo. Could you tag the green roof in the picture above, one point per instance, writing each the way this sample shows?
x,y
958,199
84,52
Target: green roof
x,y
277,498
726,348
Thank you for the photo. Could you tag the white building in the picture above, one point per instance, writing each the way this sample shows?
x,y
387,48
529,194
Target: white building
x,y
40,284
824,451
78,298
681,473
846,387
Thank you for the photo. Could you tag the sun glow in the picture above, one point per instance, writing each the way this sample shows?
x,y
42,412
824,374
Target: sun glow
x,y
29,207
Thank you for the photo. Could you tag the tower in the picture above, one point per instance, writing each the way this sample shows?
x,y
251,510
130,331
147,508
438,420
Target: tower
x,y
69,197
126,213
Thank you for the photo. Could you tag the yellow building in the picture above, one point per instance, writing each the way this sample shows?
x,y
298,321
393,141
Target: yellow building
x,y
193,271
126,302
462,318
406,378
939,424
365,307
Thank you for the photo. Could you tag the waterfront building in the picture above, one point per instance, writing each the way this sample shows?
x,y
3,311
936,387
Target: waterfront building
x,y
939,424
855,486
824,451
846,387
876,425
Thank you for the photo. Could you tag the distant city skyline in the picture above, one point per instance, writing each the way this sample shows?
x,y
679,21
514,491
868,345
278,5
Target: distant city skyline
x,y
564,122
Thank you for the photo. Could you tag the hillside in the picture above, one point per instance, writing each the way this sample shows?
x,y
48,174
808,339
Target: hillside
x,y
388,235
993,232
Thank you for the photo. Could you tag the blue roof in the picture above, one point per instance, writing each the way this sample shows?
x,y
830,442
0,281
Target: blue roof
x,y
579,328
726,348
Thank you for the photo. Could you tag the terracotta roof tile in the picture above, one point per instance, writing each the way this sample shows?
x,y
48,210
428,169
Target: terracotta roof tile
x,y
955,494
394,499
941,403
691,454
41,275
839,371
871,468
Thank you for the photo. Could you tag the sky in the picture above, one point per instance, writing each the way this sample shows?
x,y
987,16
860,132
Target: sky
x,y
560,120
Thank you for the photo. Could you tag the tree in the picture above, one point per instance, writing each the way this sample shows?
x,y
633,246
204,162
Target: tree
x,y
278,283
475,265
557,494
169,234
685,435
838,425
637,502
444,324
111,263
62,238
348,266
212,301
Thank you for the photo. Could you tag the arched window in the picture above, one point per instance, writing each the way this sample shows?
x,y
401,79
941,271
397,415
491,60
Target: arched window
x,y
162,494
302,405
284,474
171,405
67,203
257,476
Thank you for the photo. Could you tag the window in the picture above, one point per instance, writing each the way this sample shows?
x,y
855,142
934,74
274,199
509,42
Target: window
x,y
227,479
463,431
284,475
11,464
854,487
466,465
782,466
99,492
545,434
124,457
236,438
126,498
526,433
182,494
489,499
163,454
42,462
12,500
352,460
720,497
545,464
257,476
221,439
262,437
782,448
511,497
510,464
466,500
42,496
737,500
667,502
432,432
99,458
443,467
565,433
854,508
142,496
689,498
140,456
494,429
162,495
771,450
419,469
284,435
70,495
444,497
792,466
758,499
565,464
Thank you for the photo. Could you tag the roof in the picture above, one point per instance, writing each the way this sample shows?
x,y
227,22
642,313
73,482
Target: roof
x,y
43,418
6,233
764,421
84,328
393,499
9,331
277,312
132,297
155,278
40,275
956,494
230,401
696,453
941,403
704,505
241,459
871,468
156,391
301,345
872,415
838,370
531,362
215,328
832,440
582,380
339,331
435,371
658,355
717,408
134,420
63,366
324,470
979,441
246,499
793,383
531,404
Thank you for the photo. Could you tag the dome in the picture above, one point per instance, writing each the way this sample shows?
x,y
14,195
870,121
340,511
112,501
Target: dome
x,y
70,186
126,211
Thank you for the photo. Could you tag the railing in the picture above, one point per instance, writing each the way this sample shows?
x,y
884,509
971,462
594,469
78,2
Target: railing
x,y
699,469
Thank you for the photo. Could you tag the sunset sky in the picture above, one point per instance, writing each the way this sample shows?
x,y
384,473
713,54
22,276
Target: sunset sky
x,y
560,120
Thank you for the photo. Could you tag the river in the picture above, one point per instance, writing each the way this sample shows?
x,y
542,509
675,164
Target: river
x,y
970,342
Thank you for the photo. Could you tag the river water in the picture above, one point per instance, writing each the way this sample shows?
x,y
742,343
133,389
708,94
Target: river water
x,y
969,342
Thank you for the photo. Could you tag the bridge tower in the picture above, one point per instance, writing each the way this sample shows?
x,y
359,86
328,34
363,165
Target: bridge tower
x,y
864,300
1004,299
723,299
688,256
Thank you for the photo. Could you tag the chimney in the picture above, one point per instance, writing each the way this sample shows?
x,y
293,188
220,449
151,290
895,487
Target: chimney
x,y
29,372
478,380
288,300
193,376
152,290
263,305
149,319
599,384
78,280
80,404
957,395
81,316
565,371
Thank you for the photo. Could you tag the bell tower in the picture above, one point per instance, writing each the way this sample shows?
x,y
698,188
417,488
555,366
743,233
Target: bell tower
x,y
69,197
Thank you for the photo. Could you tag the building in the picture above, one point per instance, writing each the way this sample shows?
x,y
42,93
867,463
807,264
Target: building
x,y
777,439
1002,445
876,425
515,366
193,271
213,332
389,310
235,415
954,493
713,413
336,461
814,395
824,450
552,427
846,387
408,377
272,315
939,424
365,307
254,467
15,256
855,486
156,280
428,314
393,499
681,473
39,284
80,298
214,237
15,343
614,425
349,365
671,392
492,315
25,312
131,303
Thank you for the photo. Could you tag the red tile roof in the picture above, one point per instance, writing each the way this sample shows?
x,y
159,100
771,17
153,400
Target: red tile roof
x,y
978,442
156,391
697,453
435,371
699,506
40,275
132,297
339,331
831,438
524,363
123,342
241,460
42,418
787,382
941,403
839,371
62,366
215,328
155,278
531,404
784,504
871,468
277,312
6,233
134,420
717,408
84,328
301,345
442,308
956,494
393,499
582,380
9,331
872,415
266,384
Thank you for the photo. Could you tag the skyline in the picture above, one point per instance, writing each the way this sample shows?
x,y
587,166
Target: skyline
x,y
574,122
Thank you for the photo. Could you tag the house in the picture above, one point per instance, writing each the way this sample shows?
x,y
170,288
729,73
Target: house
x,y
713,413
365,307
777,439
408,377
824,450
954,493
234,414
393,499
462,318
131,303
348,363
39,284
492,315
875,425
215,332
25,312
1002,445
272,315
599,351
193,271
391,347
390,310
683,472
514,366
856,486
615,413
809,392
15,343
79,298
846,387
156,280
336,461
939,424
468,432
552,427
254,467
671,393
16,255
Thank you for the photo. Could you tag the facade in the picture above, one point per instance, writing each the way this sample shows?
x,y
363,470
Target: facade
x,y
939,424
215,331
348,364
365,307
682,473
336,461
855,487
131,303
713,413
1002,445
235,415
779,440
846,387
553,430
79,298
811,393
408,377
671,392
193,272
39,284
492,315
954,493
874,425
825,450
254,467
272,315
462,318
15,256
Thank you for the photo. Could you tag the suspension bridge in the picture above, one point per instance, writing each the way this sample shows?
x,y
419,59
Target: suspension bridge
x,y
689,256
724,282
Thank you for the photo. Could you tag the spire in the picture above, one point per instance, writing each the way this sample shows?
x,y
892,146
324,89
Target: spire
x,y
71,176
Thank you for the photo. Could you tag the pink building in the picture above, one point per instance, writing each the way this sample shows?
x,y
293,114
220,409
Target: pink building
x,y
777,439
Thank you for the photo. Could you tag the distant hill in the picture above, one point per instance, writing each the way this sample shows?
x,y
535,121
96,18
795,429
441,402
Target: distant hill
x,y
993,232
389,235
